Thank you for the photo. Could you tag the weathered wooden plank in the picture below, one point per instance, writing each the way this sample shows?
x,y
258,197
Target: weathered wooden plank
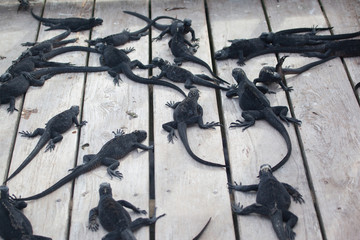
x,y
344,17
323,99
187,191
107,108
17,30
261,143
50,215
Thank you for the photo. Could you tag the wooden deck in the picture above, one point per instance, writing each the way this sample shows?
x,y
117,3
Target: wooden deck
x,y
324,164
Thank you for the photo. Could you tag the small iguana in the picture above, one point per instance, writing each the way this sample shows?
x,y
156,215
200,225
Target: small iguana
x,y
39,48
109,154
186,113
14,224
21,83
269,75
245,49
182,52
123,37
177,74
256,106
168,29
273,201
114,218
51,134
23,5
74,24
119,62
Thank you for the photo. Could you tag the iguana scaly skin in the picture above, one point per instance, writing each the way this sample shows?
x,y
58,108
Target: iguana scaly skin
x,y
273,201
119,62
178,74
74,24
51,134
182,52
186,113
20,84
109,154
256,106
114,218
14,224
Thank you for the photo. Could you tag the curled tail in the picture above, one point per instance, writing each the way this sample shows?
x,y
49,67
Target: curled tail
x,y
273,120
41,143
129,73
183,136
148,20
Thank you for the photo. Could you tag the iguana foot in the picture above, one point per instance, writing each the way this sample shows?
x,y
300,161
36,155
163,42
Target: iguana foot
x,y
237,208
288,89
93,226
11,109
82,123
114,173
298,198
289,119
118,133
233,186
25,134
50,146
245,124
291,234
153,219
171,136
170,104
210,125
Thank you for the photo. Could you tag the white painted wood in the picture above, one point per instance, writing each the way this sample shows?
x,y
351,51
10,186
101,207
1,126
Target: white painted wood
x,y
17,29
105,108
324,100
187,191
50,215
259,144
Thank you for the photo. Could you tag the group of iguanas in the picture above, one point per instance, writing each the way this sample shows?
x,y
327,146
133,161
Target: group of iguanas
x,y
273,197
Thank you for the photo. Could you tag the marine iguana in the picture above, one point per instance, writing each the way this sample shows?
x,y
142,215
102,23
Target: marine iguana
x,y
119,62
39,48
186,113
74,24
51,134
177,74
14,224
28,64
114,218
125,36
168,29
272,200
23,5
256,106
269,75
245,49
21,83
182,52
113,150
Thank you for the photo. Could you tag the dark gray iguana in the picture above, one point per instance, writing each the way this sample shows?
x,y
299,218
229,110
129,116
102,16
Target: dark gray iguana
x,y
273,201
114,218
51,134
182,52
178,74
109,154
168,29
74,24
21,83
186,113
119,62
256,106
14,224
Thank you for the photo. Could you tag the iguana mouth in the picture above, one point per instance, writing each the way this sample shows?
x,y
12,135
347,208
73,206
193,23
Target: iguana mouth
x,y
265,168
221,54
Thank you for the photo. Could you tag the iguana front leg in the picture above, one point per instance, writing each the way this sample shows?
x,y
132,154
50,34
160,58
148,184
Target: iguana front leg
x,y
93,225
129,205
298,198
243,188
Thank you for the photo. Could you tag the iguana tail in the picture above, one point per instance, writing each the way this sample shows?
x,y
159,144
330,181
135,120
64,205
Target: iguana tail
x,y
273,120
129,73
278,225
61,36
62,50
148,20
152,22
79,170
202,230
336,36
183,136
41,143
67,69
306,67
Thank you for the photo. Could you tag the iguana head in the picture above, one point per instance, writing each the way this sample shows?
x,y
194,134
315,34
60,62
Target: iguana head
x,y
100,47
105,189
238,74
96,21
4,192
222,54
5,77
187,22
265,169
267,36
141,135
270,74
158,61
75,109
194,93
